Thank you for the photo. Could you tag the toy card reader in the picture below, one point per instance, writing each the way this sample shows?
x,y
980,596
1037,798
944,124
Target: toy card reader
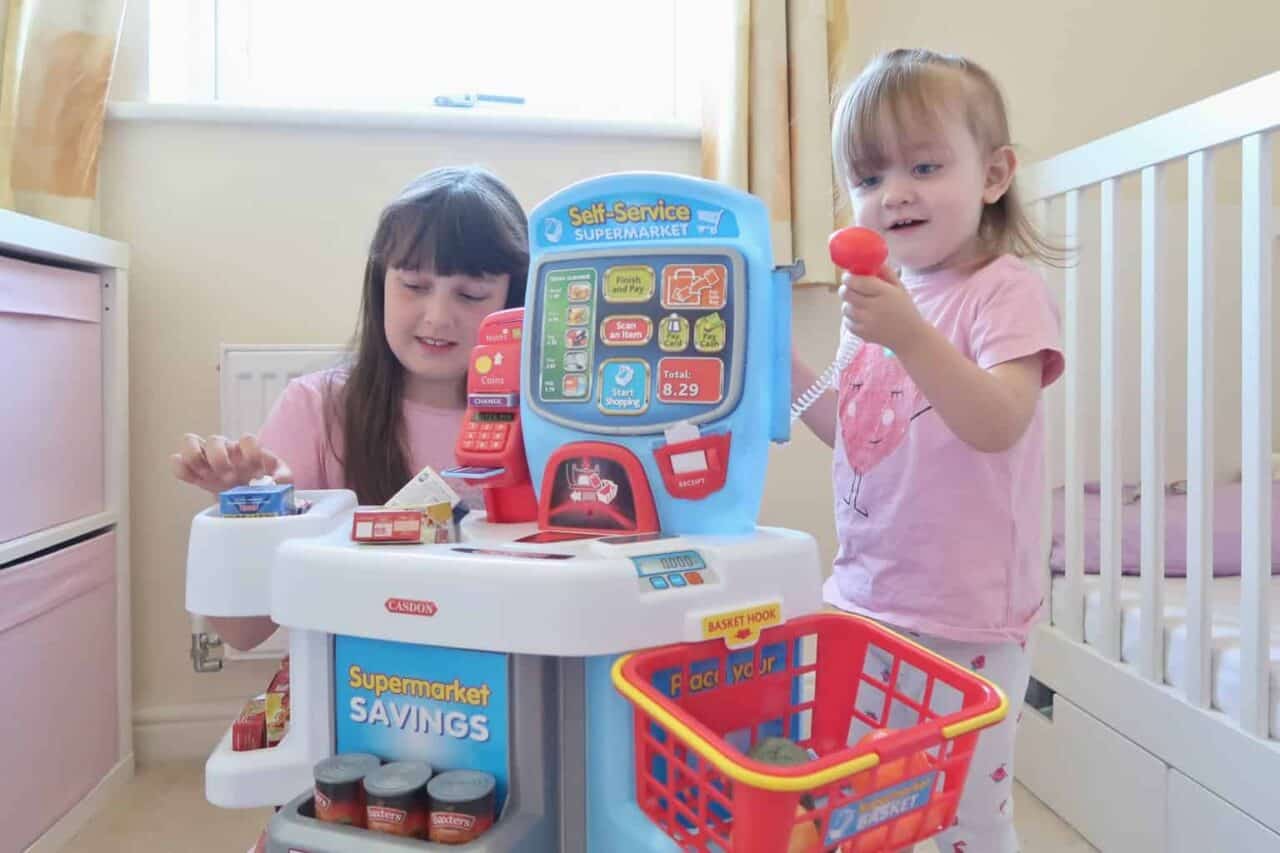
x,y
490,451
657,336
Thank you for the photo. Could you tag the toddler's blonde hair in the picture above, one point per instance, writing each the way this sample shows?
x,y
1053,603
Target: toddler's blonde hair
x,y
908,86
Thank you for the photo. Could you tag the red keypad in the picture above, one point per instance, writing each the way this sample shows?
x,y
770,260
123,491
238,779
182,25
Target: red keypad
x,y
488,436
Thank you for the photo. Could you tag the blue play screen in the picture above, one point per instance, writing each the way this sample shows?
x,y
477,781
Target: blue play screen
x,y
630,343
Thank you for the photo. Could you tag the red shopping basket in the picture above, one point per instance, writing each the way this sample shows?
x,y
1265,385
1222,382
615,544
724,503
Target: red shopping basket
x,y
892,725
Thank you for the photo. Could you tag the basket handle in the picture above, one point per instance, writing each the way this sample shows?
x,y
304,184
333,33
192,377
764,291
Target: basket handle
x,y
908,741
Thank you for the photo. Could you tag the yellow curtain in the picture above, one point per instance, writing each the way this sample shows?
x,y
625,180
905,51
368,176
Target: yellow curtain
x,y
58,56
767,118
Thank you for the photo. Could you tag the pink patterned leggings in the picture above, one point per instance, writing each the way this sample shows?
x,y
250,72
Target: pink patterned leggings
x,y
984,820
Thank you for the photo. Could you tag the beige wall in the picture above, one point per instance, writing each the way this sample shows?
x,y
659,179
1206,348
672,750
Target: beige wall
x,y
1074,70
256,235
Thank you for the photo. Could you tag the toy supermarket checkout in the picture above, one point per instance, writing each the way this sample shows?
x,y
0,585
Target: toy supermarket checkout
x,y
454,683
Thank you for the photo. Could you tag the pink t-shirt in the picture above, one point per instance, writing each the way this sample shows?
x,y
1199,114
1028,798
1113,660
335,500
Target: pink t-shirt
x,y
295,431
935,536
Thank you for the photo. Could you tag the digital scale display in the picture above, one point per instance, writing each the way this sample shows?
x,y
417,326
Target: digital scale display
x,y
672,570
631,343
649,564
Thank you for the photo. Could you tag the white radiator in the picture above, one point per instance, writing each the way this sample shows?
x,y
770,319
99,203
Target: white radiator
x,y
251,379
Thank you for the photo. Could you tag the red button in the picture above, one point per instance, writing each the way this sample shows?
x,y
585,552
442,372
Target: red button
x,y
693,578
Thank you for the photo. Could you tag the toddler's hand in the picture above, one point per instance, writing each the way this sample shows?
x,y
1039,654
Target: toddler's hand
x,y
879,309
216,463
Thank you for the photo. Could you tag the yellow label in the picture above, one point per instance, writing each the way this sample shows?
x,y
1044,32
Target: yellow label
x,y
674,334
741,627
709,333
629,284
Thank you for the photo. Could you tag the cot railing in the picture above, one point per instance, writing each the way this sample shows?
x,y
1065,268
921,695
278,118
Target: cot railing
x,y
1244,116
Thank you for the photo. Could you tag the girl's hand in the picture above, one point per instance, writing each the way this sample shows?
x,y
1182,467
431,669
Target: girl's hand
x,y
216,463
879,309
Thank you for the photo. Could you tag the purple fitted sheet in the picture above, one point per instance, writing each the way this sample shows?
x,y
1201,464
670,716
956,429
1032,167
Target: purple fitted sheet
x,y
1226,531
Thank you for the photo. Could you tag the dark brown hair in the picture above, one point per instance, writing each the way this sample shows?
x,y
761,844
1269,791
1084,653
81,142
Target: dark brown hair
x,y
452,221
916,85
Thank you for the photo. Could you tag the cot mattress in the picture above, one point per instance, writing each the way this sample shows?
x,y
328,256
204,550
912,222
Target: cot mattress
x,y
1225,654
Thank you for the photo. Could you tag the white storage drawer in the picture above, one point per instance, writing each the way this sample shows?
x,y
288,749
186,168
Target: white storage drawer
x,y
1199,820
1107,787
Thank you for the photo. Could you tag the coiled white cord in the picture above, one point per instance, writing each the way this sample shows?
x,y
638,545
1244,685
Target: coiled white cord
x,y
849,346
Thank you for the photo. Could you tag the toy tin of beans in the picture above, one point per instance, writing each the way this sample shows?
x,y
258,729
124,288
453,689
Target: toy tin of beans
x,y
339,792
396,798
462,805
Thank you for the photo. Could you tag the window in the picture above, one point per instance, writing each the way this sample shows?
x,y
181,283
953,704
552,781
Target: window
x,y
602,59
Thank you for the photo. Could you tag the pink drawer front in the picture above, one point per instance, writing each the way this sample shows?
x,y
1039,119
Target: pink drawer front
x,y
57,685
51,432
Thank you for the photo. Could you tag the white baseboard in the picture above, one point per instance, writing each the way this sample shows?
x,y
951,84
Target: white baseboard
x,y
60,834
180,732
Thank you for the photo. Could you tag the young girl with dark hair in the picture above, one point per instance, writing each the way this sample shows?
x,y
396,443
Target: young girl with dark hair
x,y
451,249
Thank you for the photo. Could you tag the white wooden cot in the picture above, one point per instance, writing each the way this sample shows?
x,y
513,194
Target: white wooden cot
x,y
1125,733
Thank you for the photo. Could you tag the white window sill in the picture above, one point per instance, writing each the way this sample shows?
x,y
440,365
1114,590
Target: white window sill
x,y
441,119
